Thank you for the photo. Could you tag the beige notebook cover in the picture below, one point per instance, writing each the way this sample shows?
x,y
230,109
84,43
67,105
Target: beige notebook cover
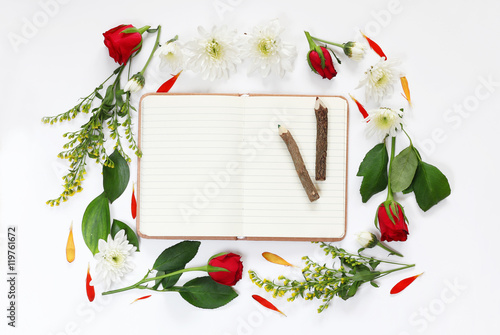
x,y
215,167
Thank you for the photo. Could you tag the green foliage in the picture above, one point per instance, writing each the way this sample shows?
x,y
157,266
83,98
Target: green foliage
x,y
373,169
430,186
203,292
326,282
87,143
115,176
96,222
403,169
173,259
129,232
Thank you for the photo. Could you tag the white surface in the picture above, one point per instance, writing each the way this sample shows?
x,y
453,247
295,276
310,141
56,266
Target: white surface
x,y
450,54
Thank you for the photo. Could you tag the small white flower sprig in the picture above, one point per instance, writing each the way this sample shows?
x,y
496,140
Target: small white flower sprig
x,y
406,172
216,53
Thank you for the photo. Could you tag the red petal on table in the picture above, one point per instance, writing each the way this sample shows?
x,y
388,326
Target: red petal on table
x,y
362,109
404,284
375,47
266,303
141,298
168,84
133,205
90,288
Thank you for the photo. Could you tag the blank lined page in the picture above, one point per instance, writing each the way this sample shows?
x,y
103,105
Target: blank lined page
x,y
215,166
275,203
190,171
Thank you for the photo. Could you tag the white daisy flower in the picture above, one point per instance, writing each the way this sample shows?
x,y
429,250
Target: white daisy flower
x,y
113,259
171,56
267,52
380,79
383,121
214,54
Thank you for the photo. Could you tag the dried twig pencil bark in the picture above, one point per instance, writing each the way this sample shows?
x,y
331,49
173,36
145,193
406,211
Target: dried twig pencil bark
x,y
321,138
300,166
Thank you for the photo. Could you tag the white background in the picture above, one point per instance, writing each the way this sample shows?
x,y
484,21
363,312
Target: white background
x,y
449,52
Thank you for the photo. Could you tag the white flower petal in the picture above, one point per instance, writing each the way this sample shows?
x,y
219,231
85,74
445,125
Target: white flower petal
x,y
265,49
380,79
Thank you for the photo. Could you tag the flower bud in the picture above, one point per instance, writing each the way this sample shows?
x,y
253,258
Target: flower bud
x,y
392,222
367,239
354,50
135,84
321,62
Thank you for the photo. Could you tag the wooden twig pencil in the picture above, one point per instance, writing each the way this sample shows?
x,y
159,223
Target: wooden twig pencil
x,y
300,166
321,138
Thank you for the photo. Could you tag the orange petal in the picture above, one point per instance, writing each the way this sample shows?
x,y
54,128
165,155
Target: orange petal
x,y
276,259
70,245
406,89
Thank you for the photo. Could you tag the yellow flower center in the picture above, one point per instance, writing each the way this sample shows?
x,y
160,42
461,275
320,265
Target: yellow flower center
x,y
267,47
214,49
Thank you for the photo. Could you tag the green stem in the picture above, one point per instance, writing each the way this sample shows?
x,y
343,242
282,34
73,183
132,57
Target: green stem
x,y
328,42
389,249
385,273
312,45
157,43
411,144
390,196
145,280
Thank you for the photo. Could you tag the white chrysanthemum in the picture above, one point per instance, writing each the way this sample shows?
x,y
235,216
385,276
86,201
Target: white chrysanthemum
x,y
384,121
171,56
113,259
214,54
267,52
380,79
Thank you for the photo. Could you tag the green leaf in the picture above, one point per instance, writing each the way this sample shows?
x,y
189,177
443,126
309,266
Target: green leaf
x,y
175,258
204,292
374,264
96,222
374,284
129,232
373,168
430,186
403,169
115,179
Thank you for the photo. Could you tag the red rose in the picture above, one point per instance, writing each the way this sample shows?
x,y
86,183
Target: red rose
x,y
231,262
122,45
397,231
327,70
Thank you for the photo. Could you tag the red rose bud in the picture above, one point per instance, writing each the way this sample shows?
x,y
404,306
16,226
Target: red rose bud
x,y
392,222
324,68
232,263
122,44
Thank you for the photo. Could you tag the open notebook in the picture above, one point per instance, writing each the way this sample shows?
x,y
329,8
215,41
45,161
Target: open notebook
x,y
215,167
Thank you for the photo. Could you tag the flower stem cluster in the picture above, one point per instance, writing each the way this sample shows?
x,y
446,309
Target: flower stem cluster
x,y
325,282
109,108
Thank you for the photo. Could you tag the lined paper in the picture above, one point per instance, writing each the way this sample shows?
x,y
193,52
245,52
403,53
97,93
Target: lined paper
x,y
215,166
